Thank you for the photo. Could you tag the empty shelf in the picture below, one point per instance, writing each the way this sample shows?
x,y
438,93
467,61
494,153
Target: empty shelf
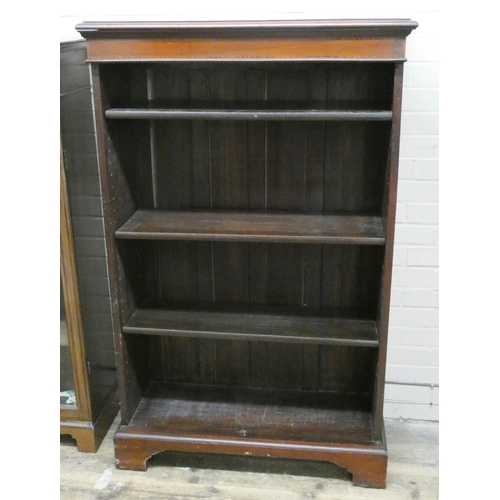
x,y
248,114
253,227
250,415
257,326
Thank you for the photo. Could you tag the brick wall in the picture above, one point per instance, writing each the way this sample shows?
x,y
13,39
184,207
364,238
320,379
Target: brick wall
x,y
412,388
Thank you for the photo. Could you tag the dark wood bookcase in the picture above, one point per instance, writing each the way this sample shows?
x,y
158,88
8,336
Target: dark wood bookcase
x,y
249,175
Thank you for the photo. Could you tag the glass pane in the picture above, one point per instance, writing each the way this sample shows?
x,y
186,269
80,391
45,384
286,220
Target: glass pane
x,y
67,384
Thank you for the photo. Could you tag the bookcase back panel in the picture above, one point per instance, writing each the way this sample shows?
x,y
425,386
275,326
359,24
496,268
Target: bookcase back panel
x,y
344,278
275,165
336,369
333,167
348,85
340,280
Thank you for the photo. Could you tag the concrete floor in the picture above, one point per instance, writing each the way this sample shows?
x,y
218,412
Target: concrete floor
x,y
413,473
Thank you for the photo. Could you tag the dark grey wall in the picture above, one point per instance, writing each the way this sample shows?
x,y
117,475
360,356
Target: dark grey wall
x,y
79,146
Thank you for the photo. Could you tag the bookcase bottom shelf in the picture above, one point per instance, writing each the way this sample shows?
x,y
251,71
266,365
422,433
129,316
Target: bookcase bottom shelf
x,y
266,423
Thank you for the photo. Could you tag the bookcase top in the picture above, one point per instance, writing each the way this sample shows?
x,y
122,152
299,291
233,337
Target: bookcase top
x,y
311,40
318,27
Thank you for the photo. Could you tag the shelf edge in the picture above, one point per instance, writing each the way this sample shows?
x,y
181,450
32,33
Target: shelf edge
x,y
131,326
248,337
246,115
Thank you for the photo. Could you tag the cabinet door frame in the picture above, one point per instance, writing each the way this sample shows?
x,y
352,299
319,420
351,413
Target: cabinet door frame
x,y
73,311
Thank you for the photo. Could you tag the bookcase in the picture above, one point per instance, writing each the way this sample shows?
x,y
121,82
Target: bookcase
x,y
249,174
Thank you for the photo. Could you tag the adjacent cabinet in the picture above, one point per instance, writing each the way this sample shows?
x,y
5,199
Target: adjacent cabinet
x,y
88,403
249,175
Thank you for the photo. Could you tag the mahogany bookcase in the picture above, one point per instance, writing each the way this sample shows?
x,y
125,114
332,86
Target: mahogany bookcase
x,y
249,174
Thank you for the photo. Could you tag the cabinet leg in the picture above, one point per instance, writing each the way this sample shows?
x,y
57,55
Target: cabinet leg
x,y
133,454
89,435
368,471
86,442
85,438
131,463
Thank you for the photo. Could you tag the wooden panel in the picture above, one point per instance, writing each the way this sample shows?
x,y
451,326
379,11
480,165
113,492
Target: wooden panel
x,y
356,155
257,200
287,153
178,281
202,198
353,83
286,143
206,347
229,189
311,299
109,50
351,276
180,360
346,369
198,92
390,196
317,89
231,285
245,226
174,170
284,287
177,270
256,142
172,144
228,143
258,362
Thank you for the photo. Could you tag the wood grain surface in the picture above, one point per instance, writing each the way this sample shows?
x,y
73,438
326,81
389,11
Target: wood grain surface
x,y
248,226
382,39
246,324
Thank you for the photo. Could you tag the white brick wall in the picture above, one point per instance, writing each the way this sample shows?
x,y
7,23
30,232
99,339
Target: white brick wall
x,y
413,352
412,370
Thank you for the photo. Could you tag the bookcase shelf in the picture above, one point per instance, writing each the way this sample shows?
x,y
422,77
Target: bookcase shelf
x,y
262,414
250,226
252,324
159,113
249,178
